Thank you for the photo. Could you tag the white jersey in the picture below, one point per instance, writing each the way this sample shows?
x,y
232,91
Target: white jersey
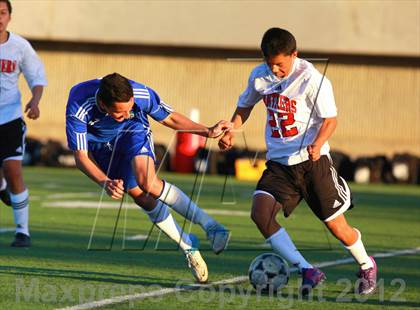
x,y
17,56
296,106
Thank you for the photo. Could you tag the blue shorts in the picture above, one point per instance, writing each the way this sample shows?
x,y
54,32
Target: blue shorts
x,y
115,157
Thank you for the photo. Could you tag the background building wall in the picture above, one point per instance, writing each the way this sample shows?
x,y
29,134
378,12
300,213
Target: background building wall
x,y
379,107
361,27
378,102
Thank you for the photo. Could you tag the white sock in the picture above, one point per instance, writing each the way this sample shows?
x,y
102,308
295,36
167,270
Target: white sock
x,y
357,250
20,205
284,246
163,219
183,205
3,184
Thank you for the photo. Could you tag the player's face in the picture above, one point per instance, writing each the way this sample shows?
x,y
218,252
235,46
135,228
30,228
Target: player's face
x,y
4,17
281,65
120,111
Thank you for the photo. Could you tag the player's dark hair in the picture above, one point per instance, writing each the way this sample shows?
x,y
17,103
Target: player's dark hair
x,y
114,88
277,41
9,5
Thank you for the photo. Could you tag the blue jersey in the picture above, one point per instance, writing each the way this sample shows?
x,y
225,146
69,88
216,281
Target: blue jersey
x,y
89,128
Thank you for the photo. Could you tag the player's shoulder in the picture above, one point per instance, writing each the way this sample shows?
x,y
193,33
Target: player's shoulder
x,y
309,71
140,90
144,96
84,90
260,71
137,85
18,40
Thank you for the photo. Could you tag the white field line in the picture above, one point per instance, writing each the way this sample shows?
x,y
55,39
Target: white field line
x,y
50,186
7,229
137,237
235,280
71,195
228,212
81,204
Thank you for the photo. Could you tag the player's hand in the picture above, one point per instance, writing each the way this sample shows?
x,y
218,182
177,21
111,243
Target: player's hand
x,y
226,142
32,109
114,188
220,128
314,152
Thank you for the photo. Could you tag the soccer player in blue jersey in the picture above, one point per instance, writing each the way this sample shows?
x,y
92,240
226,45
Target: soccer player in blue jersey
x,y
108,129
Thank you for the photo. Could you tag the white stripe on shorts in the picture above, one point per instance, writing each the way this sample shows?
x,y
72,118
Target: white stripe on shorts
x,y
344,207
258,191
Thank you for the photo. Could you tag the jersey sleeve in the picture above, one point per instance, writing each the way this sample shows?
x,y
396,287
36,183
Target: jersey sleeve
x,y
157,109
32,67
76,126
250,96
323,98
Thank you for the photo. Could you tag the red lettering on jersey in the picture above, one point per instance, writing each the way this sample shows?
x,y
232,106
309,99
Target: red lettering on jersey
x,y
282,102
271,100
7,66
293,106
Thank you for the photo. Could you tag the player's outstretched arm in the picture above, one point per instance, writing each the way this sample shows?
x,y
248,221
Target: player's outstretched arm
x,y
178,121
239,117
114,188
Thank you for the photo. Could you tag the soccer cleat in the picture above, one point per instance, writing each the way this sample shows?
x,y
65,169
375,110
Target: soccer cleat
x,y
367,279
197,265
5,197
219,237
21,241
311,277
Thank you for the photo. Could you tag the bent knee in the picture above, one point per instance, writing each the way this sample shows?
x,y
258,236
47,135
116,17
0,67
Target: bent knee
x,y
153,188
339,229
145,201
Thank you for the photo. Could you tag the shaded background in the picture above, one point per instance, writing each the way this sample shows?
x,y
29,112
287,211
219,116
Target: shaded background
x,y
181,49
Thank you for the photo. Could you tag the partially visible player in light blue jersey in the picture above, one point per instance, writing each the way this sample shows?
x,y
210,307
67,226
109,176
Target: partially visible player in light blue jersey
x,y
108,129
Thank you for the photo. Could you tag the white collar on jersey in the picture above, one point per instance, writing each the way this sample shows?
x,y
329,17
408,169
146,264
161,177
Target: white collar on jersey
x,y
278,80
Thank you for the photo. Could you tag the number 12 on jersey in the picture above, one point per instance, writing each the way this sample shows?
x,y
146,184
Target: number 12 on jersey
x,y
279,121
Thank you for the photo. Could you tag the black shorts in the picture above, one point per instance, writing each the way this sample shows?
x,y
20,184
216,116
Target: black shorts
x,y
326,193
12,140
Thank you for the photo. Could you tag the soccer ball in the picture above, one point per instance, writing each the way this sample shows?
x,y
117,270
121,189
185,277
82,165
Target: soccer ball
x,y
268,272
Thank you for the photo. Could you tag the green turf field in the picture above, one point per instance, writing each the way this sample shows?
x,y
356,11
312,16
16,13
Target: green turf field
x,y
58,270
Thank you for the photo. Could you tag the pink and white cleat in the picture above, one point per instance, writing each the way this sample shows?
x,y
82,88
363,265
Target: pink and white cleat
x,y
311,277
367,279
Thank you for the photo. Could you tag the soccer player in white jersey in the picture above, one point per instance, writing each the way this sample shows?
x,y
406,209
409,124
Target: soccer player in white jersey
x,y
301,116
107,126
16,57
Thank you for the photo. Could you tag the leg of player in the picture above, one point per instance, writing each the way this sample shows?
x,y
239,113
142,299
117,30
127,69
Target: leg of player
x,y
4,193
351,238
19,197
264,211
159,214
217,234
